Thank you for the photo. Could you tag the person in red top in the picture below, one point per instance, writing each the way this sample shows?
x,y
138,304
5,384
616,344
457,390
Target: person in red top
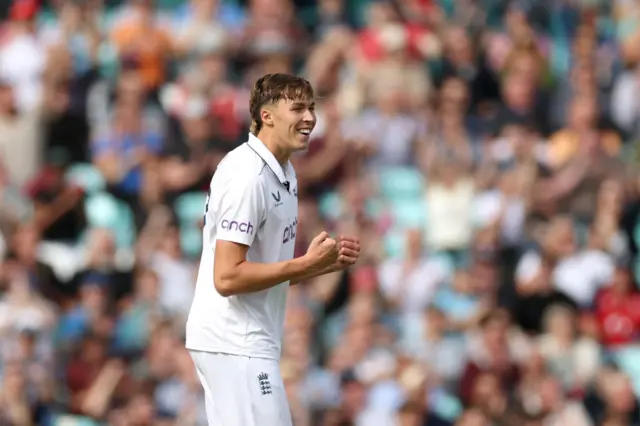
x,y
370,44
618,310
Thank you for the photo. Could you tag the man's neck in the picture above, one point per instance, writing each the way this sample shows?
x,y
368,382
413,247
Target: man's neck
x,y
271,142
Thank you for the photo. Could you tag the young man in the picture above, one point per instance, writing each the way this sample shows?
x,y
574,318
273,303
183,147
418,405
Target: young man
x,y
235,325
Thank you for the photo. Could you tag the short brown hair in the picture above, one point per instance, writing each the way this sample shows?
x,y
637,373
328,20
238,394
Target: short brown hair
x,y
272,88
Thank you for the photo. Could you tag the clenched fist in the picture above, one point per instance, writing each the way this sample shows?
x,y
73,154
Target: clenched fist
x,y
323,251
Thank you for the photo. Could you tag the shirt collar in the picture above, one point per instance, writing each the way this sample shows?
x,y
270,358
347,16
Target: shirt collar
x,y
261,149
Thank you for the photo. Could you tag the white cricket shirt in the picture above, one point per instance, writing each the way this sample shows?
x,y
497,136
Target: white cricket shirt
x,y
249,203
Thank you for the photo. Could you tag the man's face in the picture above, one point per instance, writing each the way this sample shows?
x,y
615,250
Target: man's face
x,y
293,121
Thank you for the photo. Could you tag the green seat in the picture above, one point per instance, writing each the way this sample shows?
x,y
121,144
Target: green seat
x,y
395,243
108,61
628,359
71,420
401,182
409,213
191,241
86,176
105,211
330,205
374,208
190,207
446,260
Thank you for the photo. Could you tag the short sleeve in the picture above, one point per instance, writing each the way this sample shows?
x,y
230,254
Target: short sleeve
x,y
528,267
389,276
240,210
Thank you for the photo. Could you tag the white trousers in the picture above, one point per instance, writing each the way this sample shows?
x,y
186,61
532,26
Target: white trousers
x,y
242,391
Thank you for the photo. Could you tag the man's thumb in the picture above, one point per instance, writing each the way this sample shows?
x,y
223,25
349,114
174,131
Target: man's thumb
x,y
320,237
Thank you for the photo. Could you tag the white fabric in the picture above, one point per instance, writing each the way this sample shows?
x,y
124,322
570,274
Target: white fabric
x,y
242,391
176,283
448,209
579,276
248,204
625,103
22,61
487,208
416,289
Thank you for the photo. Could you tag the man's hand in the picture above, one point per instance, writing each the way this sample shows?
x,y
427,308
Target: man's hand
x,y
344,253
348,252
323,251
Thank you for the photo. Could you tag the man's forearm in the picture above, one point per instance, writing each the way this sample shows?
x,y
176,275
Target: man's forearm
x,y
251,277
314,274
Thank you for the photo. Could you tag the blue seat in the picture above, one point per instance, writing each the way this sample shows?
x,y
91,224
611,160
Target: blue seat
x,y
401,182
87,176
105,211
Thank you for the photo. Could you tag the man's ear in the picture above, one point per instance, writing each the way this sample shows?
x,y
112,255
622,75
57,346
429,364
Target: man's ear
x,y
266,114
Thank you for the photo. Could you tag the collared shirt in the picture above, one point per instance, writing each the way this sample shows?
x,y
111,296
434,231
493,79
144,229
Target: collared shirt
x,y
252,201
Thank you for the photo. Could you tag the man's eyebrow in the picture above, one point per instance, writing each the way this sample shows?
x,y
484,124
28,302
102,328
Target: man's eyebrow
x,y
308,104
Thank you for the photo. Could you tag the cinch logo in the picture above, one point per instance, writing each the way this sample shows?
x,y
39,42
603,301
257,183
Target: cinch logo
x,y
290,232
244,227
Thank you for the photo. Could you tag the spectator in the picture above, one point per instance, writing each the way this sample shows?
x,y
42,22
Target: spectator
x,y
143,42
484,152
403,282
22,56
124,152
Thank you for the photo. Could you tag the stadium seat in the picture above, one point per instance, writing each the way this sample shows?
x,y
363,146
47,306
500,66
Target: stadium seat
x,y
628,359
446,259
401,182
191,241
394,243
189,208
446,405
409,213
330,205
105,211
86,176
374,208
70,420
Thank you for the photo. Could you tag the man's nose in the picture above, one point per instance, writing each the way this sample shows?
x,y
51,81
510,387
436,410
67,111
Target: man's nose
x,y
309,116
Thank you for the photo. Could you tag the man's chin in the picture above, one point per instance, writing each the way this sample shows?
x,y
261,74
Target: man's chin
x,y
302,144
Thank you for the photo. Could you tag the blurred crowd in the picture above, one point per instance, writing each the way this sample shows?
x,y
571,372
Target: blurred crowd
x,y
485,151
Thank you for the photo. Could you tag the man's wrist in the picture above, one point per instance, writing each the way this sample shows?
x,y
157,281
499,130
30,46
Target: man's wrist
x,y
304,267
